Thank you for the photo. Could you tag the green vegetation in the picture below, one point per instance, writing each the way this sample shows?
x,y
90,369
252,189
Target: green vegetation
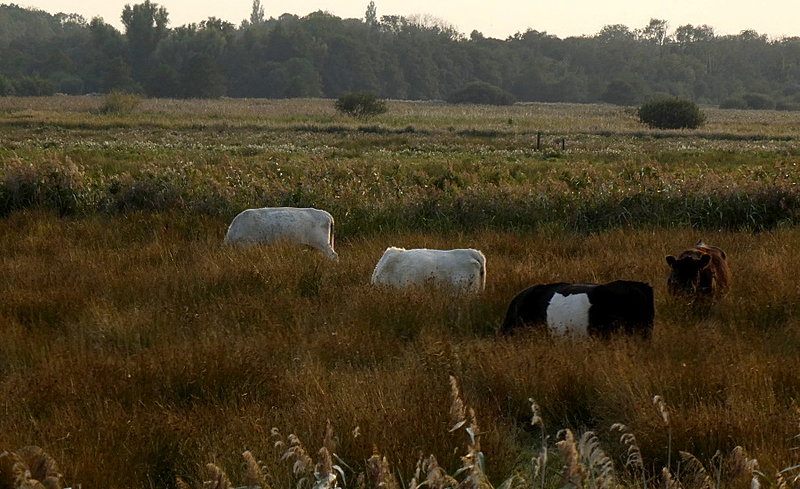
x,y
360,105
671,113
136,349
392,56
120,103
481,93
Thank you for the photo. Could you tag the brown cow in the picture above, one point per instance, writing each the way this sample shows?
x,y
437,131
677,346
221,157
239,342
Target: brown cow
x,y
701,271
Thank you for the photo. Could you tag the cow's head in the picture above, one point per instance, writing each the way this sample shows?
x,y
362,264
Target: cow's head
x,y
686,272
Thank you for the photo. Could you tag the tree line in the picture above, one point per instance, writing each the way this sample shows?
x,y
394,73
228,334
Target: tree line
x,y
417,57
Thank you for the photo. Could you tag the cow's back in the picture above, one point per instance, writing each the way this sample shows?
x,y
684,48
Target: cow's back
x,y
622,304
529,307
461,268
307,226
595,309
270,224
387,270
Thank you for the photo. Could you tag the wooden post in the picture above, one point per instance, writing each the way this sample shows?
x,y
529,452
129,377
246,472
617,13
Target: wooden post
x,y
538,140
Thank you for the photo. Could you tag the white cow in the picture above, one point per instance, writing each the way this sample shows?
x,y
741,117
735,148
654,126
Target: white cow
x,y
312,227
463,269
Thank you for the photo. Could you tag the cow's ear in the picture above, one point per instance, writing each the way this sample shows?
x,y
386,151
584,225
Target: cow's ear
x,y
671,261
705,260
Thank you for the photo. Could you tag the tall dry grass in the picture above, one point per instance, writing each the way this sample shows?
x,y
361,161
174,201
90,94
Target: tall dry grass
x,y
137,349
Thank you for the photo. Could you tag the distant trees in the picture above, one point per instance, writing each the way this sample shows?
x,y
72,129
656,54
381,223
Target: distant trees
x,y
481,93
145,26
621,92
257,13
321,55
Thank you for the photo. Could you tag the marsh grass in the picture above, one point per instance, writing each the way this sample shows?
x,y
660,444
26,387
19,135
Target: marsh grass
x,y
140,334
136,349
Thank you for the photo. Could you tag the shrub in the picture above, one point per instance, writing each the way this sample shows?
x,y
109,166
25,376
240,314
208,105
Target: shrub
x,y
758,101
481,93
360,105
733,103
153,190
50,184
671,113
119,103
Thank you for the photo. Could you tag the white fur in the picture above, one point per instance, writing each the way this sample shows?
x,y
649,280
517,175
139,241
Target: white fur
x,y
569,314
307,226
462,269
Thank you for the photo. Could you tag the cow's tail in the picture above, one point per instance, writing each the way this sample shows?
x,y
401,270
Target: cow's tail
x,y
480,259
330,234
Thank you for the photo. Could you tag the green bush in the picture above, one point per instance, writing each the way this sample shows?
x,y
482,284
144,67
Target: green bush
x,y
733,103
481,93
360,105
671,113
120,103
49,184
758,101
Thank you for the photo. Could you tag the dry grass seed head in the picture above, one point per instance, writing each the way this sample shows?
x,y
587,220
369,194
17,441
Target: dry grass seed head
x,y
457,409
254,473
739,465
667,481
379,473
572,472
634,454
694,475
436,477
217,478
536,419
600,466
13,471
472,462
782,483
415,480
303,462
329,441
181,484
324,471
42,467
661,405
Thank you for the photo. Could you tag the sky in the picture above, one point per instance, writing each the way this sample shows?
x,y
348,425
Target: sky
x,y
497,18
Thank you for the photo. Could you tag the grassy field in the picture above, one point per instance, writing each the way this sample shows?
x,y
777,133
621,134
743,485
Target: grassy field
x,y
136,348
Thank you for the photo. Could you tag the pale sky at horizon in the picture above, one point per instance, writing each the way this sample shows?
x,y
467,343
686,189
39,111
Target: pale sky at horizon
x,y
499,19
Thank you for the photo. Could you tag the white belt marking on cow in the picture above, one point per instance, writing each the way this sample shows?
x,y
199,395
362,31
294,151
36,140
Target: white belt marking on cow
x,y
569,314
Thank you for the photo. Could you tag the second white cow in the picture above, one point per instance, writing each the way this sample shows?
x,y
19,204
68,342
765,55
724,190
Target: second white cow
x,y
462,270
307,226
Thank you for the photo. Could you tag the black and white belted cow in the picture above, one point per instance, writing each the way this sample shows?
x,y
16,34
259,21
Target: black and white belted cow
x,y
584,309
306,226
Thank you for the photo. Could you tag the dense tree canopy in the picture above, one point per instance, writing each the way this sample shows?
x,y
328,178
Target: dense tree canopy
x,y
391,56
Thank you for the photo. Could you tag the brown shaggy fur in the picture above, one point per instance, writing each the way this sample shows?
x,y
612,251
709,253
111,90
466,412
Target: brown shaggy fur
x,y
701,271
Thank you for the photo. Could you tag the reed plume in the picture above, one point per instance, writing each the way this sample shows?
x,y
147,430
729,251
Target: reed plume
x,y
218,479
572,472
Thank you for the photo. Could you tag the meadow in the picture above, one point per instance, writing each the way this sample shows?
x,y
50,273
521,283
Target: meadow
x,y
136,349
